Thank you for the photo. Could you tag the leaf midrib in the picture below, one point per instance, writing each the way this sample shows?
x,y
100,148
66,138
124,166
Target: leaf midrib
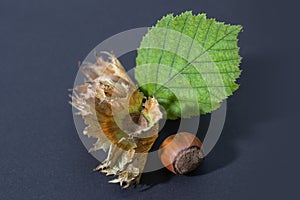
x,y
189,63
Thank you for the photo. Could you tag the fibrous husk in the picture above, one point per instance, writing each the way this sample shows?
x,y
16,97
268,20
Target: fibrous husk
x,y
122,119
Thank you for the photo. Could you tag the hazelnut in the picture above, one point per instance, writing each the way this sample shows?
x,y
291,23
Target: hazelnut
x,y
181,153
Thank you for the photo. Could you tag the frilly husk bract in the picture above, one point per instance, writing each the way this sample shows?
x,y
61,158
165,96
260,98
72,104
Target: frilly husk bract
x,y
115,112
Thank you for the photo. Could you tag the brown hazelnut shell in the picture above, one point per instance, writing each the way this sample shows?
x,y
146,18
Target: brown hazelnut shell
x,y
181,153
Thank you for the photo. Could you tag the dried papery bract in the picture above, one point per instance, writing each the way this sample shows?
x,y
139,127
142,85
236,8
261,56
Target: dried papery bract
x,y
122,119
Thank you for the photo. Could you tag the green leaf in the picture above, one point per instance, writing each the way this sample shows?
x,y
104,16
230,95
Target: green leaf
x,y
189,63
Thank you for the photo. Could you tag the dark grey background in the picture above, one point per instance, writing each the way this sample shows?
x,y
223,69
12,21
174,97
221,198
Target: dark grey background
x,y
41,156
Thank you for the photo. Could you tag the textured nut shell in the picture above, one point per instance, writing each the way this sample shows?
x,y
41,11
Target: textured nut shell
x,y
175,145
